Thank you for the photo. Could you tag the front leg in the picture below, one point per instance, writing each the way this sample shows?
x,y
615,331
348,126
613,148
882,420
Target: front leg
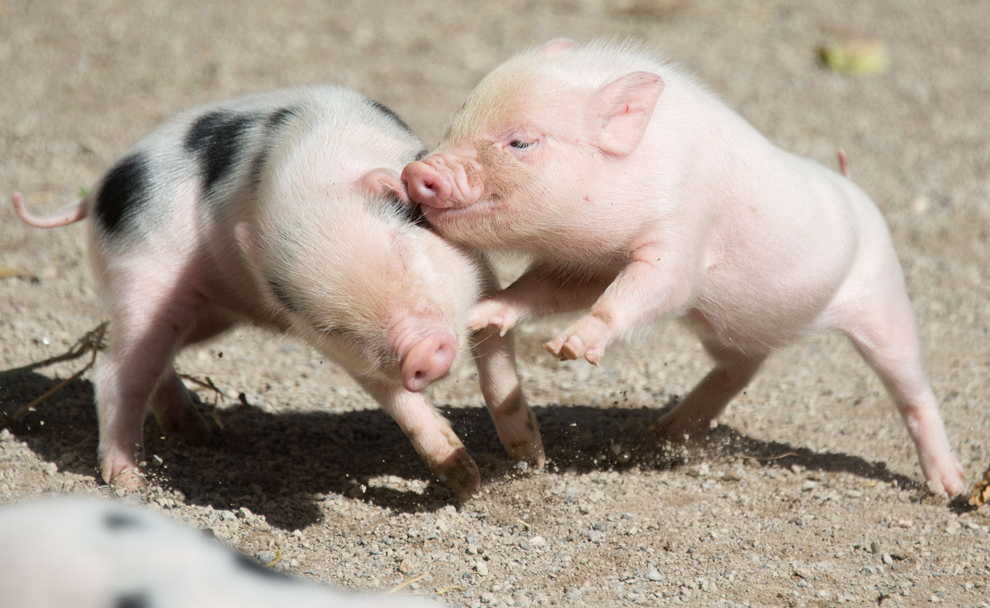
x,y
494,354
655,285
541,291
430,433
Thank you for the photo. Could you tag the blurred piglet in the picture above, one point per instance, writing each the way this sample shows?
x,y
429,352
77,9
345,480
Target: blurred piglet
x,y
643,197
284,210
88,553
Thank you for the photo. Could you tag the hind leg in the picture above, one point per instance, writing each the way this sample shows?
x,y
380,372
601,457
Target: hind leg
x,y
882,327
693,415
172,402
149,325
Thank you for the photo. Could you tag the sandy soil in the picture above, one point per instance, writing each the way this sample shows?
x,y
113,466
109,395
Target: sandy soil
x,y
808,494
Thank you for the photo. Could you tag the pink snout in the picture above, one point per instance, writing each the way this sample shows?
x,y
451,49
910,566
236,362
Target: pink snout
x,y
427,360
425,185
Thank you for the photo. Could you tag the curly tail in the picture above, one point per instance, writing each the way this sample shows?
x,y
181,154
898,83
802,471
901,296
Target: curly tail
x,y
844,164
65,218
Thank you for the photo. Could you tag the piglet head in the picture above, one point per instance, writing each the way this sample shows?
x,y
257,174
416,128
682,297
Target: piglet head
x,y
385,298
539,135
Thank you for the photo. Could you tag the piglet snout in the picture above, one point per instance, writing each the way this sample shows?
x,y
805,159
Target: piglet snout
x,y
425,185
426,359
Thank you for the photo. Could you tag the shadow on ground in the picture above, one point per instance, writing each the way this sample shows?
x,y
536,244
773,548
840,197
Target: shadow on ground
x,y
279,464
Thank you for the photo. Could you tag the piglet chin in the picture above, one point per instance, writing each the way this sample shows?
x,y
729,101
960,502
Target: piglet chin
x,y
424,356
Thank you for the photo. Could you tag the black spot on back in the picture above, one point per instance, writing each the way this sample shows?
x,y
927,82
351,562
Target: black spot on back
x,y
282,295
124,192
390,114
280,117
215,139
132,600
252,567
120,520
275,121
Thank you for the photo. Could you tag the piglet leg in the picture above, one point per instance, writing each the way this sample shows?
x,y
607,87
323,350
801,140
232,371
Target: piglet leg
x,y
656,284
693,415
172,402
430,434
883,330
149,323
173,407
514,420
539,292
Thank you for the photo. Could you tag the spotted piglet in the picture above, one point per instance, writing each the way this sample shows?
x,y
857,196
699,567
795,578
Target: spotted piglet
x,y
90,553
285,210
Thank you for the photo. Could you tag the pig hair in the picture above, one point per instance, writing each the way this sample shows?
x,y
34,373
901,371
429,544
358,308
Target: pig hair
x,y
586,67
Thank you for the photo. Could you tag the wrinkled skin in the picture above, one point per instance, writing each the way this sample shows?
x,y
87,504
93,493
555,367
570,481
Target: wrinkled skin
x,y
642,198
284,210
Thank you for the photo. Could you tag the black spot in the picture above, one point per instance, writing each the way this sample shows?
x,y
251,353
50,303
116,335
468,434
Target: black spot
x,y
422,154
252,567
282,295
215,140
390,114
275,121
125,191
280,117
132,600
258,165
119,520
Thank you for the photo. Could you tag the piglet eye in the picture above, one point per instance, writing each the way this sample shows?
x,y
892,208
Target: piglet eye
x,y
519,144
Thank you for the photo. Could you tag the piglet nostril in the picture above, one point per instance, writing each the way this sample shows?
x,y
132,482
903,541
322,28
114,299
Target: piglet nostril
x,y
428,360
427,188
424,184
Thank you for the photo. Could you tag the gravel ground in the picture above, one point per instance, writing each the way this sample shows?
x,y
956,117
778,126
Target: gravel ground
x,y
807,494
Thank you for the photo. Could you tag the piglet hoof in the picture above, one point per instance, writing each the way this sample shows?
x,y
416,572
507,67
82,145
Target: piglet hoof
x,y
459,473
587,338
554,347
492,313
189,428
565,348
945,479
529,452
130,480
675,430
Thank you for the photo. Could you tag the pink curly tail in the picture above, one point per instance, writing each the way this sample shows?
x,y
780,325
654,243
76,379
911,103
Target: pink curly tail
x,y
844,164
65,218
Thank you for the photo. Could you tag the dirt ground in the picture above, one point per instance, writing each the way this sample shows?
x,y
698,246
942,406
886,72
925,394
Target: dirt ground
x,y
807,494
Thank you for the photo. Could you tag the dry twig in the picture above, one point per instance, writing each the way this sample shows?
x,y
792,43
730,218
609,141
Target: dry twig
x,y
406,583
278,558
92,342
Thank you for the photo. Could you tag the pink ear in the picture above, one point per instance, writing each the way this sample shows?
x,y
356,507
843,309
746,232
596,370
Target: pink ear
x,y
250,243
379,181
624,108
557,46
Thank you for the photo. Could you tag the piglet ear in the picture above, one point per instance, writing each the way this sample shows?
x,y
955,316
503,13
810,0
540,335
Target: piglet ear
x,y
248,239
558,46
379,182
622,109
